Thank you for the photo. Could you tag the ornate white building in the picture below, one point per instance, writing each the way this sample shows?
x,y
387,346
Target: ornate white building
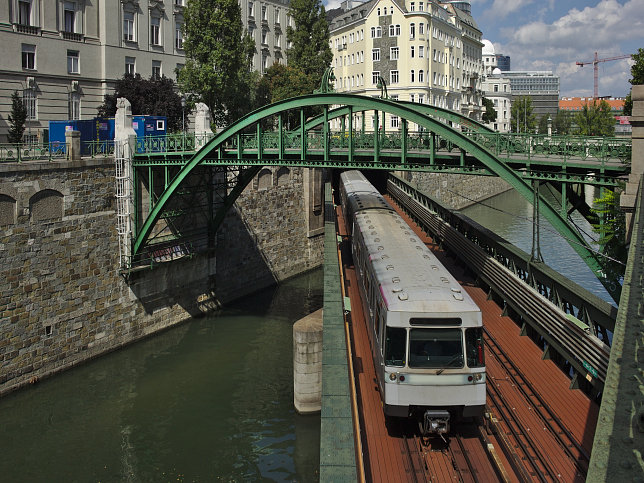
x,y
425,51
497,88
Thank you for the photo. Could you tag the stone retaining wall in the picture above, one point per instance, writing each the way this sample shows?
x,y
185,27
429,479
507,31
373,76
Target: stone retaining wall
x,y
62,299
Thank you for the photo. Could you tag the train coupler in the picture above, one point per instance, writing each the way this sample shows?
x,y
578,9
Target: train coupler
x,y
434,422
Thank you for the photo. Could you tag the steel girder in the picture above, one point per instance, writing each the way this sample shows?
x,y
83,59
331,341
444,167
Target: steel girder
x,y
408,112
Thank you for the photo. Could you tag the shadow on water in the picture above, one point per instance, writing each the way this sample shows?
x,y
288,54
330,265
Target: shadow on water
x,y
210,400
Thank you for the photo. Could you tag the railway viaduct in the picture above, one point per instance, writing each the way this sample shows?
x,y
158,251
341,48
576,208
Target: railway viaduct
x,y
67,296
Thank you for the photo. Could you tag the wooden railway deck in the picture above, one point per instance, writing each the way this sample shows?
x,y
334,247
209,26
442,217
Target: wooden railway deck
x,y
386,456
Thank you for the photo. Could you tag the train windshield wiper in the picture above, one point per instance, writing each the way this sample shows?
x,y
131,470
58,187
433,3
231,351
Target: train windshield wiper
x,y
456,358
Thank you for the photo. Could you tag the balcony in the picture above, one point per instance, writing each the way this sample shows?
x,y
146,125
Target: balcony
x,y
26,29
72,36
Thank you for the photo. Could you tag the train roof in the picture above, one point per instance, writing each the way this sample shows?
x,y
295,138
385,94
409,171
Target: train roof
x,y
361,195
411,277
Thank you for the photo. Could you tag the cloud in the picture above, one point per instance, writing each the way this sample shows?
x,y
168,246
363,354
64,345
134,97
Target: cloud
x,y
502,8
331,4
605,28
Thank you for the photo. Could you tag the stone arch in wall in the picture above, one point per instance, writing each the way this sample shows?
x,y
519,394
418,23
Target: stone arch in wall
x,y
283,175
8,211
264,179
46,205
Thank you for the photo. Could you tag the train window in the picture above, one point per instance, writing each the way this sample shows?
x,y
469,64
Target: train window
x,y
428,321
395,347
474,347
435,348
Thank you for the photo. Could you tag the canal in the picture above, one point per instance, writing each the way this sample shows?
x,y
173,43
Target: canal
x,y
211,400
509,215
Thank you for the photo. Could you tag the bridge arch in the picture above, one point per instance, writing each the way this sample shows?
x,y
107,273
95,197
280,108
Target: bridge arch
x,y
409,112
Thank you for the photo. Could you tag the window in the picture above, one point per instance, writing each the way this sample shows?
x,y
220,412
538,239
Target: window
x,y
421,76
251,13
251,32
178,36
265,13
69,17
156,69
28,56
393,77
73,110
375,55
394,30
128,26
412,97
278,40
496,88
474,347
412,6
376,32
421,8
24,12
435,348
411,76
155,28
277,16
72,62
421,97
394,52
264,37
395,342
375,76
413,52
129,65
412,30
29,100
178,69
264,62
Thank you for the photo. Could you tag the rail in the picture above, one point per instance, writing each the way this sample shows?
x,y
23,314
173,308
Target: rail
x,y
546,301
52,151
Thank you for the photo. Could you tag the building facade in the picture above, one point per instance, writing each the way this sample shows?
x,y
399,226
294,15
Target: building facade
x,y
498,89
63,56
423,51
541,86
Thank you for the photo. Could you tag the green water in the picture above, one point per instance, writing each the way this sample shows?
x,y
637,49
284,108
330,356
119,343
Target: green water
x,y
211,400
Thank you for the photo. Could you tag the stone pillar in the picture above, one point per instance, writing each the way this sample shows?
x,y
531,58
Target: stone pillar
x,y
203,133
629,196
307,363
73,142
124,134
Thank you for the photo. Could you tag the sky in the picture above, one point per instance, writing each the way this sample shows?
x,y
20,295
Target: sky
x,y
554,35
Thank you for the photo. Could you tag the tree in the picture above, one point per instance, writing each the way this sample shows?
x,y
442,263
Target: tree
x,y
562,122
17,119
154,97
612,233
490,113
218,52
637,71
310,51
595,119
522,119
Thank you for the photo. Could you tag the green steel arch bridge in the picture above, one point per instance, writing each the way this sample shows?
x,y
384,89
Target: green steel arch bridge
x,y
174,182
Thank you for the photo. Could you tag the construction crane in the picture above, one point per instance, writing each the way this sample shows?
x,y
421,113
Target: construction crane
x,y
596,61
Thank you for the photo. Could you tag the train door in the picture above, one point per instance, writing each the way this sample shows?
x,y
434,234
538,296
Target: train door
x,y
380,322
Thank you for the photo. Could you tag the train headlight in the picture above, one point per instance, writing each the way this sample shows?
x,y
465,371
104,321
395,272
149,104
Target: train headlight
x,y
392,376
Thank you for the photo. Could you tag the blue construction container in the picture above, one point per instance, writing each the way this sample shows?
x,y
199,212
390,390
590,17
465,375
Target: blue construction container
x,y
57,130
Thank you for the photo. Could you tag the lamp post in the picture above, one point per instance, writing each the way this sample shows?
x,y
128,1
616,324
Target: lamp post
x,y
183,118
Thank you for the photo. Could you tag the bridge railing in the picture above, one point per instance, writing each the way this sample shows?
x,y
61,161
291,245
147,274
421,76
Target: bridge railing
x,y
503,145
508,145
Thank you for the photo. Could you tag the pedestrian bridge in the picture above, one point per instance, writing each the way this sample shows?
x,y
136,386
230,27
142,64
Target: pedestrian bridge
x,y
429,139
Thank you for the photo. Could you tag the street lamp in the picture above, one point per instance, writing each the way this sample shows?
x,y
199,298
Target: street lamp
x,y
183,119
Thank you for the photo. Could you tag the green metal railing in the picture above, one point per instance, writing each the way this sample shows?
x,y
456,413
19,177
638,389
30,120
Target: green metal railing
x,y
17,153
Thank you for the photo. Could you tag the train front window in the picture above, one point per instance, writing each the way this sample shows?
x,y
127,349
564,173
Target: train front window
x,y
474,347
436,348
395,347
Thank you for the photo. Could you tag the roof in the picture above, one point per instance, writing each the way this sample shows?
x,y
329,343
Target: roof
x,y
576,103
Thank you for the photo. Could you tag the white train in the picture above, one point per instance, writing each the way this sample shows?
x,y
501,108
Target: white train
x,y
425,331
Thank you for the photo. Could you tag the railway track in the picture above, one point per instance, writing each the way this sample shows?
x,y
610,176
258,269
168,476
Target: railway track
x,y
534,455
